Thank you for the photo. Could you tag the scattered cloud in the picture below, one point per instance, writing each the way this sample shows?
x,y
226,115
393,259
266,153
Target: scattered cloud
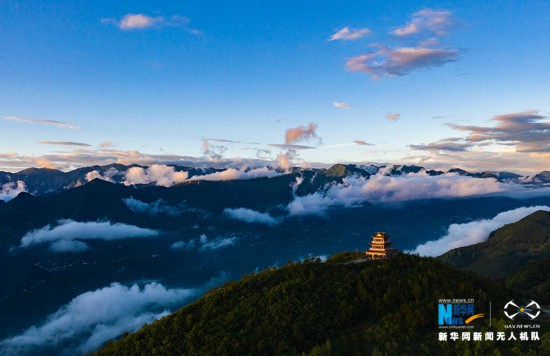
x,y
64,143
350,34
527,131
459,235
302,133
518,141
206,244
342,105
393,117
161,175
251,216
66,236
427,51
363,143
449,144
214,152
8,191
427,22
400,61
158,207
92,318
62,124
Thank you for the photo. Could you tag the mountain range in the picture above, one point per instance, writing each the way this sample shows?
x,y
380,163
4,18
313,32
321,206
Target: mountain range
x,y
79,235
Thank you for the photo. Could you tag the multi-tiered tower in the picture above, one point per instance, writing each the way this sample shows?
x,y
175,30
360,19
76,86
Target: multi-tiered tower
x,y
380,247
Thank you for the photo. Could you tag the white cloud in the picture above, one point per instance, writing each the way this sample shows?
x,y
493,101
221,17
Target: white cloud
x,y
66,236
342,105
8,191
350,34
94,317
238,174
138,21
108,176
158,207
459,235
183,245
380,189
159,174
220,242
251,216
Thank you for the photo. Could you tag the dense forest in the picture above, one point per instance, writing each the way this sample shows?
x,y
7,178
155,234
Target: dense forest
x,y
342,306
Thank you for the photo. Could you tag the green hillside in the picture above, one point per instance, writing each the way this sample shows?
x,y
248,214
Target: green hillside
x,y
508,249
379,307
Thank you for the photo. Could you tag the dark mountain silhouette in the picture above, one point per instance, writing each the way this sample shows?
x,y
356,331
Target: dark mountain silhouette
x,y
507,250
379,307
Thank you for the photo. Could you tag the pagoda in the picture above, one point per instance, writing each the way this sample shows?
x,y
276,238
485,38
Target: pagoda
x,y
380,247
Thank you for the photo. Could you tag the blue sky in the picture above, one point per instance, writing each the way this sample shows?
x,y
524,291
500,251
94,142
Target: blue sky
x,y
437,83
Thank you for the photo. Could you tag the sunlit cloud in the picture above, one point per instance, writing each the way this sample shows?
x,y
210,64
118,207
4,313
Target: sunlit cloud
x,y
427,22
527,131
61,124
363,143
400,61
350,34
64,143
302,133
106,144
342,105
131,22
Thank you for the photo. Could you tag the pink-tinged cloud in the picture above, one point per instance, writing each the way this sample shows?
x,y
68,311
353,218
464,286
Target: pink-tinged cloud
x,y
393,117
342,105
350,34
427,22
528,131
64,143
301,133
62,124
388,62
362,143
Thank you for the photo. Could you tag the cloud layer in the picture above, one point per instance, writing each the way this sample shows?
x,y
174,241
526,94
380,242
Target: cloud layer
x,y
8,191
238,174
427,22
66,236
459,235
94,317
381,189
